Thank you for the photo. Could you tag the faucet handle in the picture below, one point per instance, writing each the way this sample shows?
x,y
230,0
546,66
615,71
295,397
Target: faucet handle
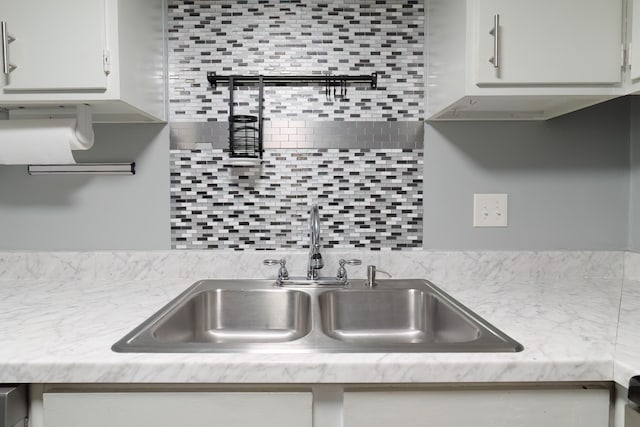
x,y
342,272
371,275
283,274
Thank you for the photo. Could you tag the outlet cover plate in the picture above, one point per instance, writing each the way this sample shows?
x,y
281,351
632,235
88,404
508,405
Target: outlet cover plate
x,y
490,210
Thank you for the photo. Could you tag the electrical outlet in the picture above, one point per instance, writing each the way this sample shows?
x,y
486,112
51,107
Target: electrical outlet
x,y
489,210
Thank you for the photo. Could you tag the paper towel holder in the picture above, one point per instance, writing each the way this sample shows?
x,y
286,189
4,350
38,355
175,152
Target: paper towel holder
x,y
82,113
84,124
84,133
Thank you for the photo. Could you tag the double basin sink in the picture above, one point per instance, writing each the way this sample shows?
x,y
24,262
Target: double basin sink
x,y
254,316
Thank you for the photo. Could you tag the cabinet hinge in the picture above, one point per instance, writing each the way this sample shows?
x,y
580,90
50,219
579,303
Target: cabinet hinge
x,y
106,61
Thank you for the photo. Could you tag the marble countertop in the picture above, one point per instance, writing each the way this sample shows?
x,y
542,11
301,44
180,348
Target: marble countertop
x,y
61,332
627,354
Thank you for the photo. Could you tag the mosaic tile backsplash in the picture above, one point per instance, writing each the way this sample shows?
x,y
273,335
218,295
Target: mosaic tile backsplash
x,y
358,156
272,37
368,199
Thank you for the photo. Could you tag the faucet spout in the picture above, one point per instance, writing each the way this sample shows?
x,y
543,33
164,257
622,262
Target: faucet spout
x,y
314,225
315,257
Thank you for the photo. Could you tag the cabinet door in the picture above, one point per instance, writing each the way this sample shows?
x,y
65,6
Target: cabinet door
x,y
58,45
634,46
176,409
547,42
479,408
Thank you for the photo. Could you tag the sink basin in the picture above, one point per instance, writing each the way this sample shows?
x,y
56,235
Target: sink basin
x,y
224,316
393,316
256,316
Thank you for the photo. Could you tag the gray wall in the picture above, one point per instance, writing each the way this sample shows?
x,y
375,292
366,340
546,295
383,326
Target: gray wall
x,y
634,194
93,212
567,180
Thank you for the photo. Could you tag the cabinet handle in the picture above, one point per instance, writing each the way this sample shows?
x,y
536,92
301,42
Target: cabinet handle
x,y
495,32
6,39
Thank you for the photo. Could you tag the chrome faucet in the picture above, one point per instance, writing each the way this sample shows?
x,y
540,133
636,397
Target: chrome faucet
x,y
315,258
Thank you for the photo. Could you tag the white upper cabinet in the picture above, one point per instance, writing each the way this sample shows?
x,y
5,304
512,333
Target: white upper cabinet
x,y
55,45
521,59
109,54
548,42
633,34
634,43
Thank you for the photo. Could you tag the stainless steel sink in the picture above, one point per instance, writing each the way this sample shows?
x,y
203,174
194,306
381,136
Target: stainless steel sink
x,y
256,316
402,316
227,316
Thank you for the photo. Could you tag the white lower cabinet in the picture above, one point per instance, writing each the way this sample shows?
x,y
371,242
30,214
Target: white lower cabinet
x,y
173,409
578,407
516,405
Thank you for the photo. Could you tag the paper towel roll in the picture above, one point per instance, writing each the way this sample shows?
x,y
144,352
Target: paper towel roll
x,y
42,141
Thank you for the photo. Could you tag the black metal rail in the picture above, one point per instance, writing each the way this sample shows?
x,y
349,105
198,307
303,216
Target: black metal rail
x,y
331,80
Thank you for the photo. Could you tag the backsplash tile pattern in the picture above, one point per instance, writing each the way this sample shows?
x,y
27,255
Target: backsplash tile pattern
x,y
359,156
272,37
368,198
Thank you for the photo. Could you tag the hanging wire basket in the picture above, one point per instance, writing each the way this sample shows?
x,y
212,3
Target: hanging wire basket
x,y
244,136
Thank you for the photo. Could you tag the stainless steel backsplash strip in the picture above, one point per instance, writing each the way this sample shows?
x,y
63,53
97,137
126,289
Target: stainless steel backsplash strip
x,y
305,134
